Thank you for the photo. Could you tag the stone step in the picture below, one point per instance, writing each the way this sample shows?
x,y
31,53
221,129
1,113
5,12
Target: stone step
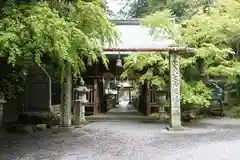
x,y
133,113
119,117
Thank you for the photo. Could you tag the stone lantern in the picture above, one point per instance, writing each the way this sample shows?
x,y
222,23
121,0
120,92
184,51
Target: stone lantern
x,y
2,101
116,86
161,100
81,99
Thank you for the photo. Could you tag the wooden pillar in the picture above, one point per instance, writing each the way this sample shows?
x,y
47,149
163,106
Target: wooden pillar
x,y
140,102
117,96
175,109
96,98
100,95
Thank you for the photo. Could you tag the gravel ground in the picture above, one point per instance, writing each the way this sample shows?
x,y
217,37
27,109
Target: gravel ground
x,y
128,140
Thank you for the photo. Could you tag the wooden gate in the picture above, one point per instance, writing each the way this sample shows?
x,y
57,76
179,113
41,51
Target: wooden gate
x,y
92,106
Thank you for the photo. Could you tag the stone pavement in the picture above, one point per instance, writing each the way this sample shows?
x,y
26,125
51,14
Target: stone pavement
x,y
122,111
128,140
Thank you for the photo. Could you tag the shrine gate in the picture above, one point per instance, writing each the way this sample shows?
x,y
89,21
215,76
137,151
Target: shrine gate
x,y
135,38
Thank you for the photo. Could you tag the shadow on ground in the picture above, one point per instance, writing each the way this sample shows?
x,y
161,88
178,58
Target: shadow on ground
x,y
40,145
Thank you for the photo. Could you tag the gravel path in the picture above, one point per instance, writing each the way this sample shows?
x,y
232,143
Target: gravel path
x,y
128,140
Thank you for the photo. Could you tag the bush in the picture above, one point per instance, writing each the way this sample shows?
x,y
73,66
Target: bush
x,y
195,94
233,112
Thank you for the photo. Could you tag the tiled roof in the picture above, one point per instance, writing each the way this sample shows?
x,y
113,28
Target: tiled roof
x,y
133,35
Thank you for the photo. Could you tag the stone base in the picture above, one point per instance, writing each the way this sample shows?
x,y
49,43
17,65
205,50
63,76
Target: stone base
x,y
180,128
63,127
162,116
60,129
82,122
78,126
39,127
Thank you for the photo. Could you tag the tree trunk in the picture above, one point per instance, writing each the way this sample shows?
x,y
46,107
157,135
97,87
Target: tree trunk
x,y
66,98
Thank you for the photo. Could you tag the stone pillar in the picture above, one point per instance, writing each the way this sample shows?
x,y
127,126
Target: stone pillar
x,y
2,101
175,110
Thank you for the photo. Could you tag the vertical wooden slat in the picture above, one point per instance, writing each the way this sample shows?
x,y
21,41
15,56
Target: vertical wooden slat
x,y
95,95
91,99
153,105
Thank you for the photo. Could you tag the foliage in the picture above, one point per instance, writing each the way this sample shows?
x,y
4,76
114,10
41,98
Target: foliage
x,y
87,14
151,67
107,8
167,24
213,33
134,8
12,84
135,92
195,93
182,9
65,33
233,112
35,30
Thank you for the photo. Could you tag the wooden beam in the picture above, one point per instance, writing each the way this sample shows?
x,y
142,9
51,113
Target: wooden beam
x,y
165,49
131,21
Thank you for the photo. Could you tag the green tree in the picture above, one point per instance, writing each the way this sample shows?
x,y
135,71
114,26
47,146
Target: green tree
x,y
67,33
107,8
182,9
134,8
214,34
